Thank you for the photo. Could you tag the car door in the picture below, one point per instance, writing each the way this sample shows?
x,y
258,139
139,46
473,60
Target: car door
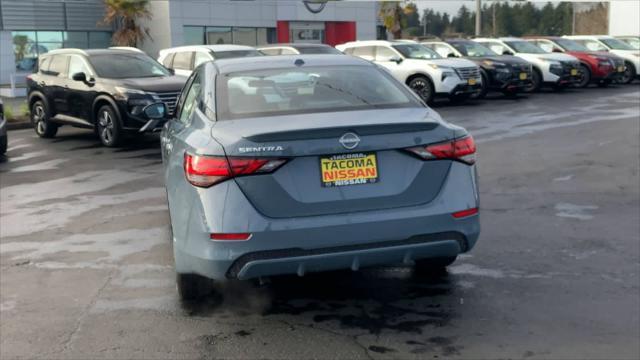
x,y
80,94
174,136
57,85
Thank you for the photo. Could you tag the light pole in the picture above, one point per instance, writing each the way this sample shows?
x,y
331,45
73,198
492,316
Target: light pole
x,y
478,17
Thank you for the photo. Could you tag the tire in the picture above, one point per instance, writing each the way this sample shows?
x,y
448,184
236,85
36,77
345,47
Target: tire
x,y
3,145
585,76
192,286
422,86
40,120
433,265
108,127
484,87
536,82
629,73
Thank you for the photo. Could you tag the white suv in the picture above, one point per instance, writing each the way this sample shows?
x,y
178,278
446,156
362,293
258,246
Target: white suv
x,y
422,69
183,59
630,55
557,70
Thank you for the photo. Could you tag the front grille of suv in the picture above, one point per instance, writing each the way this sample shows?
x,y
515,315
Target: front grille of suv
x,y
467,73
169,98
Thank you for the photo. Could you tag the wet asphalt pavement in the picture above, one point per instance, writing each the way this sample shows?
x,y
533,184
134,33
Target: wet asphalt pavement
x,y
86,265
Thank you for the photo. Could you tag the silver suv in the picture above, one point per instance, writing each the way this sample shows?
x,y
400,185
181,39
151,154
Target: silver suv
x,y
422,69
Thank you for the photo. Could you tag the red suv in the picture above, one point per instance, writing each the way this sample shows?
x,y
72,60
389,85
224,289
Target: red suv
x,y
595,66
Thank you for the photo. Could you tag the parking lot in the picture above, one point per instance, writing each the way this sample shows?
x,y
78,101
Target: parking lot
x,y
86,262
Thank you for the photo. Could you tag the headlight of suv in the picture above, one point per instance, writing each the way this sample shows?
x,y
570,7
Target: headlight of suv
x,y
447,71
494,64
136,99
126,91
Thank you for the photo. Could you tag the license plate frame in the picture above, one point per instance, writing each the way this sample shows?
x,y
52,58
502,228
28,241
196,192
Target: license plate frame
x,y
472,82
523,76
620,69
574,72
331,176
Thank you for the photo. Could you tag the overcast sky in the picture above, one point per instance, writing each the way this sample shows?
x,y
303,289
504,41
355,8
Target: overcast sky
x,y
452,6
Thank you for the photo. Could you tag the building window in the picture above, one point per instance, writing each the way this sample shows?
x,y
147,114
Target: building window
x,y
219,35
193,35
216,35
27,45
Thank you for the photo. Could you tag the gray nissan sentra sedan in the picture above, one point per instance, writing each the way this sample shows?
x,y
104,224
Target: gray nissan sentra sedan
x,y
306,163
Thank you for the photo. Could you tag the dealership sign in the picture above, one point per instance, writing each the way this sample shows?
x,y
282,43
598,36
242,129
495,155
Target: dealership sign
x,y
315,6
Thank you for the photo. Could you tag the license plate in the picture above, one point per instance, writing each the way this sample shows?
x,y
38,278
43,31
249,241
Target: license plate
x,y
620,68
523,76
574,72
472,81
349,169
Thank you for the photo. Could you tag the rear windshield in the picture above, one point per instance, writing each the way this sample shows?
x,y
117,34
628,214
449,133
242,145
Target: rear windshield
x,y
308,90
524,47
570,45
616,44
236,54
318,50
472,49
416,51
122,66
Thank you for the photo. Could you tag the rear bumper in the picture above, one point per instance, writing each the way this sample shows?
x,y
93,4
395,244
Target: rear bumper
x,y
319,243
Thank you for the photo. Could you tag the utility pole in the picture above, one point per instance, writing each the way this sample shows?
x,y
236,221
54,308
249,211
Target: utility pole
x,y
424,22
573,19
493,7
478,17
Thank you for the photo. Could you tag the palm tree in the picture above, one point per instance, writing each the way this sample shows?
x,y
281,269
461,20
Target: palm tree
x,y
394,16
126,14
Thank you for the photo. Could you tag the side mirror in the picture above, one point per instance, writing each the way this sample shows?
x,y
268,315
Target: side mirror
x,y
396,59
507,52
171,71
451,55
155,111
79,76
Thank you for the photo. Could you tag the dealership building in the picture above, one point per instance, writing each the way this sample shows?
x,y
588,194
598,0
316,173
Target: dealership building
x,y
32,27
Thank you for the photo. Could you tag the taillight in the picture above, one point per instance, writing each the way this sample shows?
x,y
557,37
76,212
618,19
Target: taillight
x,y
206,171
462,149
230,236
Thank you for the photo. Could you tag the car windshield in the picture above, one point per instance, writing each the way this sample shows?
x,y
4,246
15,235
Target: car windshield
x,y
308,90
416,51
525,47
236,54
633,42
121,66
318,50
616,44
570,45
472,49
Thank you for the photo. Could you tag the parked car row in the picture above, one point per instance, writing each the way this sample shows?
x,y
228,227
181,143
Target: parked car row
x,y
107,89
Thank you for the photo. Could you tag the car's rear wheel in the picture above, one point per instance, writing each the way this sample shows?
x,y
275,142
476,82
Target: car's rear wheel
x,y
192,286
40,120
536,82
584,76
108,127
629,73
431,265
422,86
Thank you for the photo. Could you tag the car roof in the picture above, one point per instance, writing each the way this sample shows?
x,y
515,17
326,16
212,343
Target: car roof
x,y
89,52
226,66
373,43
293,45
214,48
588,37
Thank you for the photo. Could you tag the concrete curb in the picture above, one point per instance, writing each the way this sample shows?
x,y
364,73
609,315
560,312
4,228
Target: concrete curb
x,y
19,125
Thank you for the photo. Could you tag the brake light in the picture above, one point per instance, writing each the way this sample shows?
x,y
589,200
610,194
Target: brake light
x,y
206,171
230,236
462,149
465,213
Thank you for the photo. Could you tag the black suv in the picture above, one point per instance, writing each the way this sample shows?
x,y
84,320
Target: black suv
x,y
505,73
105,90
